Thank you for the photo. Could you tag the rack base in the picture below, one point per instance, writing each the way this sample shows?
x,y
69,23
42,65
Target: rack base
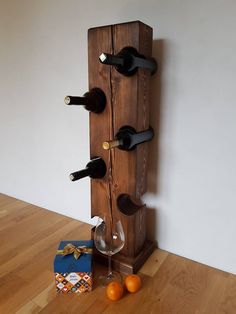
x,y
126,264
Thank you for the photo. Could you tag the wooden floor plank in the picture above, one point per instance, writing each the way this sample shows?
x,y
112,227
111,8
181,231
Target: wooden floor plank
x,y
29,239
153,263
32,251
46,296
12,217
29,307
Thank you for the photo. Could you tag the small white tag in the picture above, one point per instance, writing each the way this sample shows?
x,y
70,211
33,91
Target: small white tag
x,y
73,278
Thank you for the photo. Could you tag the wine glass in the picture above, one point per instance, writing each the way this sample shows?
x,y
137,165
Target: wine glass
x,y
109,239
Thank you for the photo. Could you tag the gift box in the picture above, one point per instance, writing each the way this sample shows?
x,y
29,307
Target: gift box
x,y
73,266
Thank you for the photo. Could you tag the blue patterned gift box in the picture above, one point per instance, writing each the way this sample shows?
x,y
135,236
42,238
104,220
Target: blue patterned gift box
x,y
71,274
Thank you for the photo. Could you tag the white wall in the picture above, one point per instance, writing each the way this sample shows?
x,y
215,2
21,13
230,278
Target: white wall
x,y
192,179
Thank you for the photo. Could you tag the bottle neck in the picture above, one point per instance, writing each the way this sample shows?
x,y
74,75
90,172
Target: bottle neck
x,y
109,59
122,139
127,138
128,60
95,169
111,144
94,100
75,100
80,174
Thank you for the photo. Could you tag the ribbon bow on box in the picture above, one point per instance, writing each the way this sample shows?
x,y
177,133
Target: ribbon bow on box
x,y
75,250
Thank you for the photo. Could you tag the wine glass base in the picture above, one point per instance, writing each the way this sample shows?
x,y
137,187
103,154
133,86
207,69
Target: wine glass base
x,y
104,279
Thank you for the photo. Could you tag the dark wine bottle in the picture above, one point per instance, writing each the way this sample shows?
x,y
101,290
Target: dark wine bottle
x,y
95,169
127,205
128,60
94,100
127,138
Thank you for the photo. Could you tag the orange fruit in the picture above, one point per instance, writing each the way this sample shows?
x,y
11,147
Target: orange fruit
x,y
114,291
133,283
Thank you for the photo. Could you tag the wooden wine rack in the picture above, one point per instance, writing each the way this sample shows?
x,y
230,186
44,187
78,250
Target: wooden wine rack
x,y
127,104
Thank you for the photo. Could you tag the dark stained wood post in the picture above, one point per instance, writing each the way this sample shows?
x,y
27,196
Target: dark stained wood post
x,y
127,104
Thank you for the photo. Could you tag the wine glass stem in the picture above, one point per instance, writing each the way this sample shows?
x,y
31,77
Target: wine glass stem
x,y
109,275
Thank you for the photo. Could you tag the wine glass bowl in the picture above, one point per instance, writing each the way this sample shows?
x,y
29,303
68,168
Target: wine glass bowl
x,y
109,241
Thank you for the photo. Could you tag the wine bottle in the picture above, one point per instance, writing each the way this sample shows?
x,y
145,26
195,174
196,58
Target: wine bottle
x,y
128,60
127,205
95,169
127,138
94,100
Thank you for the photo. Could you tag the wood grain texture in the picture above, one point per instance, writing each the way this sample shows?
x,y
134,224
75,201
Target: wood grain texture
x,y
129,175
170,284
99,40
127,104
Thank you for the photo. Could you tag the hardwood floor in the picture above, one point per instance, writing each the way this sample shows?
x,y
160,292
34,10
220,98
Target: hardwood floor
x,y
29,238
